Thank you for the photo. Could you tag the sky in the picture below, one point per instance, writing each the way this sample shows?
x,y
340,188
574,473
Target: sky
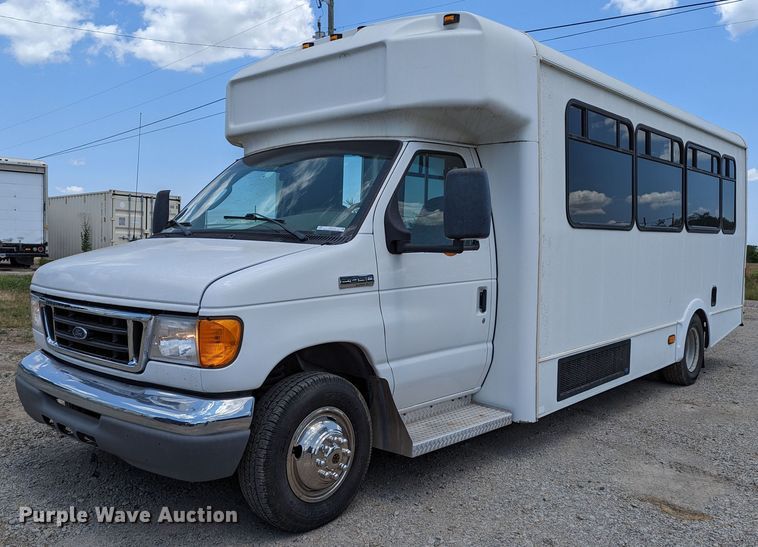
x,y
62,87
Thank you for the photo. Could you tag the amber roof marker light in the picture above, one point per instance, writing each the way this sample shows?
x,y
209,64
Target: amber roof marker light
x,y
451,19
334,37
306,45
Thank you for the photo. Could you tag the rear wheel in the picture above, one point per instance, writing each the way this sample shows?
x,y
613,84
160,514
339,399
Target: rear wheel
x,y
22,261
686,371
308,451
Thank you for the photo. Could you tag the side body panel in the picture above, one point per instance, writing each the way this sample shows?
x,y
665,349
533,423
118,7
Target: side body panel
x,y
513,170
602,286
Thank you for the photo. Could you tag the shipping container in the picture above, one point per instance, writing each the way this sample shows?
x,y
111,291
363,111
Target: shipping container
x,y
113,217
23,191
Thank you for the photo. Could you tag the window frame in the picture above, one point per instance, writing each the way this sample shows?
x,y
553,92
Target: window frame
x,y
687,168
586,107
733,178
644,155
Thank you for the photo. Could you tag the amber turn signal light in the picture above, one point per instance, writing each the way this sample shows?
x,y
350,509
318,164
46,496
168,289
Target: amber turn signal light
x,y
218,341
672,339
451,19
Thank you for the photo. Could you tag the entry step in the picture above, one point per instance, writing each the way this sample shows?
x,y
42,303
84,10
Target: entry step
x,y
448,423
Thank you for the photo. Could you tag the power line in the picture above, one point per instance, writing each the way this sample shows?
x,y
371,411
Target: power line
x,y
638,39
627,23
590,21
132,36
153,71
80,146
193,120
126,109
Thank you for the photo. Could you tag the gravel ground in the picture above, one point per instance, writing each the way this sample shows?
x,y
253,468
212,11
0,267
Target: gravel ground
x,y
647,463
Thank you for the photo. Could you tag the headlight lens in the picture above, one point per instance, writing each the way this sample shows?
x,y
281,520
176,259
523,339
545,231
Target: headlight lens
x,y
209,343
174,340
37,316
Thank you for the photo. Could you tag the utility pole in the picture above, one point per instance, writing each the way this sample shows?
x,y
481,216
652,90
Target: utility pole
x,y
330,3
330,24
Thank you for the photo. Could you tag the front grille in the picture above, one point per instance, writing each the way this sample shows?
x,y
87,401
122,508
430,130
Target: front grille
x,y
102,336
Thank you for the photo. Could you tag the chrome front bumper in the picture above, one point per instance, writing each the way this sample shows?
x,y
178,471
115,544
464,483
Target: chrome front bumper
x,y
175,434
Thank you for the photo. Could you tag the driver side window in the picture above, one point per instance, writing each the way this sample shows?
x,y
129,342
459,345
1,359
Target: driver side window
x,y
421,196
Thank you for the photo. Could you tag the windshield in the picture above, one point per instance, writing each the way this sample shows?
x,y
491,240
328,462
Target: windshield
x,y
319,191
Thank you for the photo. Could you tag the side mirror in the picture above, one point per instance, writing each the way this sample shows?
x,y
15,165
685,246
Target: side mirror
x,y
160,210
468,209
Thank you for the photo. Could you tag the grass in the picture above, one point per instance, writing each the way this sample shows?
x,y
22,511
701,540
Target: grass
x,y
14,302
751,282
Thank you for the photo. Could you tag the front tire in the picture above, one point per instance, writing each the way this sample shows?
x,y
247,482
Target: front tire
x,y
686,371
308,453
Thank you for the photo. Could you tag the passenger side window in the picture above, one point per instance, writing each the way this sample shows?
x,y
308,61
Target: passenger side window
x,y
598,169
659,181
703,190
729,196
421,196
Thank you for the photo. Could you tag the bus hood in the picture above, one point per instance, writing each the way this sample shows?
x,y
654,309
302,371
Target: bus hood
x,y
163,273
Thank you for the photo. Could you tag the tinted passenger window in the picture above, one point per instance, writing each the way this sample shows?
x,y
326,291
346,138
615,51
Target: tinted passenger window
x,y
729,197
702,201
421,196
599,172
659,182
599,186
659,195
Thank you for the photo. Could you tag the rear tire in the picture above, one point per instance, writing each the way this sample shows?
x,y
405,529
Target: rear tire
x,y
22,261
686,371
308,453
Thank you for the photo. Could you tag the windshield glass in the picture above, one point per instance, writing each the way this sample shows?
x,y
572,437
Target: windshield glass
x,y
320,191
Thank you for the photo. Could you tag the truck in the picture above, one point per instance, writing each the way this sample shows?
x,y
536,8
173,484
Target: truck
x,y
113,217
23,230
469,230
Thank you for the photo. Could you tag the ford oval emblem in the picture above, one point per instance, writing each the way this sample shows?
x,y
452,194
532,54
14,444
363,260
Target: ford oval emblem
x,y
80,333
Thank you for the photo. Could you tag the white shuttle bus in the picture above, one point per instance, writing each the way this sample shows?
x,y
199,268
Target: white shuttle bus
x,y
468,229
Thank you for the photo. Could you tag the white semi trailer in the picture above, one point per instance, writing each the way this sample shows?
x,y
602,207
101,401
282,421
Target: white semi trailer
x,y
23,191
469,229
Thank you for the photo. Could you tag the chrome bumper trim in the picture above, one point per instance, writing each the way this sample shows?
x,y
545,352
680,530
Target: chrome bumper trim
x,y
148,406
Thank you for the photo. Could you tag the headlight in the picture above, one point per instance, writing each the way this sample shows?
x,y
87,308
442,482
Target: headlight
x,y
174,340
37,315
209,343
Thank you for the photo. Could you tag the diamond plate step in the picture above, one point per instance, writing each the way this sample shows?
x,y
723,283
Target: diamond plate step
x,y
434,428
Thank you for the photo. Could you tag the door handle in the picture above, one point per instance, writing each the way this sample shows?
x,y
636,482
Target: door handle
x,y
482,299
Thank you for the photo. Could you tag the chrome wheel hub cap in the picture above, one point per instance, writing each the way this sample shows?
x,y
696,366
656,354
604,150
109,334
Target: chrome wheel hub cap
x,y
320,454
692,349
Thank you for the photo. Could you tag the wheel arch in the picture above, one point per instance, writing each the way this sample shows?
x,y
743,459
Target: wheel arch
x,y
352,362
696,307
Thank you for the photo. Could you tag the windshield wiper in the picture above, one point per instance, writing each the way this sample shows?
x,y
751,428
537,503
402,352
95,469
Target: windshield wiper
x,y
257,216
181,225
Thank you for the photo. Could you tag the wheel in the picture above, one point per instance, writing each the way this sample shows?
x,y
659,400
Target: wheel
x,y
22,261
308,453
686,371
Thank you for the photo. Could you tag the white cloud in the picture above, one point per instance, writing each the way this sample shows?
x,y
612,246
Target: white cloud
x,y
752,174
262,24
212,22
588,202
73,189
76,162
739,11
30,43
657,200
636,6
